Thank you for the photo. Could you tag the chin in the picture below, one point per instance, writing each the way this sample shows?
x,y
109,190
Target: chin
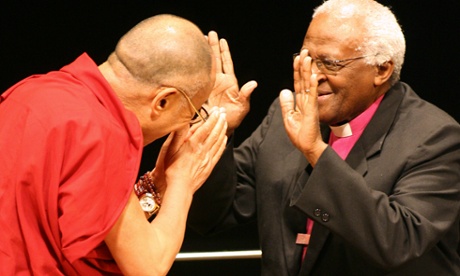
x,y
324,118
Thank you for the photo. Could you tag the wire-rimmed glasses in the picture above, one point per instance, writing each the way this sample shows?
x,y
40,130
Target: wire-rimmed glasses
x,y
201,114
331,66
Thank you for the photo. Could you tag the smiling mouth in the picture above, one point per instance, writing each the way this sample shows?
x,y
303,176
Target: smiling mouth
x,y
323,93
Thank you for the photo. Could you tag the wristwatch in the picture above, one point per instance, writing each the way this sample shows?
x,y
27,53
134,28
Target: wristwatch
x,y
149,205
149,197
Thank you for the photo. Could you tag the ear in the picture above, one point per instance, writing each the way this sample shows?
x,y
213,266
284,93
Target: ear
x,y
383,72
162,101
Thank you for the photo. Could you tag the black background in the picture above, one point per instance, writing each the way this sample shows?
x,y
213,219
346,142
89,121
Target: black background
x,y
39,36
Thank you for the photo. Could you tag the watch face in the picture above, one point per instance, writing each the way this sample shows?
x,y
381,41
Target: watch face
x,y
147,202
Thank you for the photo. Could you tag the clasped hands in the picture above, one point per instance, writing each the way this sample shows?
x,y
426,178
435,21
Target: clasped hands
x,y
191,154
300,117
188,155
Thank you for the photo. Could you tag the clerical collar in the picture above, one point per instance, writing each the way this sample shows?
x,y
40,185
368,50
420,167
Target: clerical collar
x,y
357,125
342,131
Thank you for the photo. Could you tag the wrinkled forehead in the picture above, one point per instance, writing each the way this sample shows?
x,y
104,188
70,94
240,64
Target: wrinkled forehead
x,y
335,34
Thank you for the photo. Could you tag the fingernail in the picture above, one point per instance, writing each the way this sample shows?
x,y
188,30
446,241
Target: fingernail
x,y
213,109
252,84
285,92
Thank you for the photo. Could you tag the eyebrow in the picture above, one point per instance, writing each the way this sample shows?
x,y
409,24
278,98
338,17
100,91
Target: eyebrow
x,y
323,56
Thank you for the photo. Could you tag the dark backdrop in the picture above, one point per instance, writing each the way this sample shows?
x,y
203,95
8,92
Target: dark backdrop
x,y
39,36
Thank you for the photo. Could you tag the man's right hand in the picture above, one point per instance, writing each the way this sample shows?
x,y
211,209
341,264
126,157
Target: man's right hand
x,y
188,156
301,117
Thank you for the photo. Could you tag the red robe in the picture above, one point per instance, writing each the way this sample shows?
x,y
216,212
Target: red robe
x,y
70,154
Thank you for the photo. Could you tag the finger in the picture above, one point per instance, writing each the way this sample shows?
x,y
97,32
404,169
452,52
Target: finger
x,y
212,143
219,127
286,102
295,67
304,63
203,131
219,148
178,138
219,132
308,102
305,69
164,150
167,142
227,62
247,89
313,101
301,102
213,40
214,128
193,128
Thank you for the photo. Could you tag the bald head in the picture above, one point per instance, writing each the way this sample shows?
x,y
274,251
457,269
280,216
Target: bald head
x,y
166,50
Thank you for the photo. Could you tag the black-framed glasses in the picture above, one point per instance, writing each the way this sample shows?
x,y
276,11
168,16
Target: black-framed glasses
x,y
201,114
331,66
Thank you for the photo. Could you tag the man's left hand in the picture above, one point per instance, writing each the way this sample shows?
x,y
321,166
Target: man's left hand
x,y
226,92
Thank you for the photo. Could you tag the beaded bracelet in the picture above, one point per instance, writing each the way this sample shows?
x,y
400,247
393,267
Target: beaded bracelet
x,y
149,197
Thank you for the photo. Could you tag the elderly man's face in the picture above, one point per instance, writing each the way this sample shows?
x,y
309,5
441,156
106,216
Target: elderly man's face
x,y
179,115
343,96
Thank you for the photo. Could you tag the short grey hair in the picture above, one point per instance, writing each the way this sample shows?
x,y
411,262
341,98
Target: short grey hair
x,y
383,39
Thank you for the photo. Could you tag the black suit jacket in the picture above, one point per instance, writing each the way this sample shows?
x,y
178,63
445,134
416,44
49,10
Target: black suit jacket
x,y
391,208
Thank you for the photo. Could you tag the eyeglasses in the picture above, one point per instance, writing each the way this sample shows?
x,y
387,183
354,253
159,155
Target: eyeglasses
x,y
201,114
331,67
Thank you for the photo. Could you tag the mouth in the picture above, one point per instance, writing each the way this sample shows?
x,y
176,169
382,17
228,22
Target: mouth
x,y
323,93
324,97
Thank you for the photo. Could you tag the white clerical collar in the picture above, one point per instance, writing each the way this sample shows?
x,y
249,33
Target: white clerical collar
x,y
342,131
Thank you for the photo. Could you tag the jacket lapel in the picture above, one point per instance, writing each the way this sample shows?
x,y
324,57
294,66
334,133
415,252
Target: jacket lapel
x,y
369,144
373,137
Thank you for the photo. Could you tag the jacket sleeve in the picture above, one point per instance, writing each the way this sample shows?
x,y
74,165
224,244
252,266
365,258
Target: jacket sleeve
x,y
400,208
228,197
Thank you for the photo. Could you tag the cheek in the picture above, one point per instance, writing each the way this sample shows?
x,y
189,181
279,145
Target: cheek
x,y
336,107
340,94
352,93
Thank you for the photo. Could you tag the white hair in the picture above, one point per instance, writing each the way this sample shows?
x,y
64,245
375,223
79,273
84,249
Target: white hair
x,y
383,39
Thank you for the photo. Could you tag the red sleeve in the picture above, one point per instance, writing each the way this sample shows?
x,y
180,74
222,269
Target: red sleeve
x,y
98,174
70,159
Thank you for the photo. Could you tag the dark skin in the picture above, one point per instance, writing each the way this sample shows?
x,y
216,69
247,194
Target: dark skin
x,y
226,92
332,100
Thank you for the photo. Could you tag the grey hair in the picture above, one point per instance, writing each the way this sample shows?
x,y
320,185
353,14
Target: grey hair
x,y
383,37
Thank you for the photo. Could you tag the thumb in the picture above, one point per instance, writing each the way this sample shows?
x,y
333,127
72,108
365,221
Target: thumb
x,y
286,102
247,89
164,151
178,138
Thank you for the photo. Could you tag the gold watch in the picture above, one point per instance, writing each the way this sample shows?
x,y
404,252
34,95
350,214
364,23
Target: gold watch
x,y
149,205
149,197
